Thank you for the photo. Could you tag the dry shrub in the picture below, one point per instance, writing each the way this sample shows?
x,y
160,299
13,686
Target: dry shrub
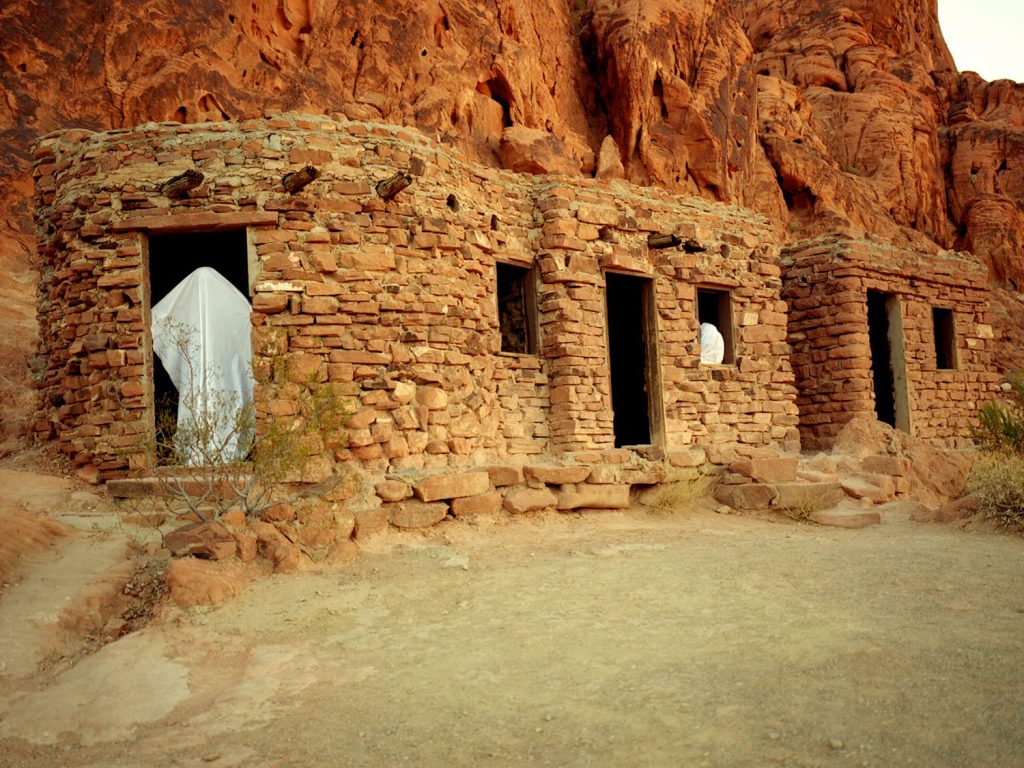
x,y
998,483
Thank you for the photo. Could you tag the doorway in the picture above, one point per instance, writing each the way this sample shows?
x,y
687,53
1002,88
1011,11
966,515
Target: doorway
x,y
632,359
172,258
888,360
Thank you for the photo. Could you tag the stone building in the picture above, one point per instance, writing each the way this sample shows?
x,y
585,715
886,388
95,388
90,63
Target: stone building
x,y
479,317
880,331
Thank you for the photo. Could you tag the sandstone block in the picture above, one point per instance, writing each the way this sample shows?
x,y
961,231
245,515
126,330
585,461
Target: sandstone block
x,y
452,486
529,500
393,490
369,522
208,541
808,495
594,497
416,514
877,489
557,475
768,470
749,496
686,457
504,474
472,506
846,517
193,582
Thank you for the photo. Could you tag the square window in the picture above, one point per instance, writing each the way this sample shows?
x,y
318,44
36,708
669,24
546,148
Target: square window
x,y
517,309
945,338
714,307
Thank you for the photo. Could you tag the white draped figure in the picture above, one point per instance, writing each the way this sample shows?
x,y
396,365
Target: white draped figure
x,y
202,332
712,345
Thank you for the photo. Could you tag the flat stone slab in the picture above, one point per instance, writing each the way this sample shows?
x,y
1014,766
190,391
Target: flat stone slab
x,y
416,514
471,506
808,495
875,488
452,486
746,496
846,517
765,470
529,500
558,475
595,497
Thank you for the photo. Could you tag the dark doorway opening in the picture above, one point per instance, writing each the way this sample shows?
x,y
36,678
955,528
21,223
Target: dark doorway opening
x,y
631,357
172,258
881,357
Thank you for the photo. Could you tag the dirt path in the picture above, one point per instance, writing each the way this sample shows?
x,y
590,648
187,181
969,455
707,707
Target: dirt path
x,y
625,639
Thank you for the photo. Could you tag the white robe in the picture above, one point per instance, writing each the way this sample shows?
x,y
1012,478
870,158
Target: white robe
x,y
712,345
202,332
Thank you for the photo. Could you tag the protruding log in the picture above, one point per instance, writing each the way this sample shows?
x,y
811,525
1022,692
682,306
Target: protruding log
x,y
392,185
662,241
182,184
294,182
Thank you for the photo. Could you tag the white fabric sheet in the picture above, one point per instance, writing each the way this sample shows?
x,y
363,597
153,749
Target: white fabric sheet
x,y
202,333
712,345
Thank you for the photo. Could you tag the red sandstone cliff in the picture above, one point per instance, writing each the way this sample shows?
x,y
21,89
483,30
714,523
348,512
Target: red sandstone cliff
x,y
824,115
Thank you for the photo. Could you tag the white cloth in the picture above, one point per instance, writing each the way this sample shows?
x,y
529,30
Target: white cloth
x,y
202,332
712,345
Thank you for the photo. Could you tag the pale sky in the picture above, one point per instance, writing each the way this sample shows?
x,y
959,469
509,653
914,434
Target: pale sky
x,y
985,36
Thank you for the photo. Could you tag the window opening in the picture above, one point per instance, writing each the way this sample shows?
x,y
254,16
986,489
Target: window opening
x,y
517,309
945,338
714,307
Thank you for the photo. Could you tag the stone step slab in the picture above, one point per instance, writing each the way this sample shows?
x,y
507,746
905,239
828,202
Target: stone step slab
x,y
594,497
877,489
473,506
808,495
557,475
529,500
768,470
846,517
416,514
452,486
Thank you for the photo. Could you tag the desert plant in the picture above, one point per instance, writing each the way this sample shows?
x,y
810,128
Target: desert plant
x,y
997,481
1000,424
215,455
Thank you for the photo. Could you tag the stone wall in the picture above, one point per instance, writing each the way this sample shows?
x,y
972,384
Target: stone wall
x,y
826,286
394,301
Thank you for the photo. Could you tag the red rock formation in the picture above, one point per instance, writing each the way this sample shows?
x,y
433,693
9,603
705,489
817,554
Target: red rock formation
x,y
824,115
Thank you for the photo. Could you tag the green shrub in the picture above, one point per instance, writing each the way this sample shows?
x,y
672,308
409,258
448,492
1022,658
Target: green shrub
x,y
998,479
1001,422
998,483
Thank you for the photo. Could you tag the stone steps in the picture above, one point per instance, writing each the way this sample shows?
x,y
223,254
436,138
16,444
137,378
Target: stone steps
x,y
839,491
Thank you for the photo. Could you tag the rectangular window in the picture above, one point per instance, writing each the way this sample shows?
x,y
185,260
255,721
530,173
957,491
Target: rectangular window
x,y
714,307
945,338
517,309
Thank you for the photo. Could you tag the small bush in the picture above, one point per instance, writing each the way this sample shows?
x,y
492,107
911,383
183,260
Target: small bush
x,y
1001,422
998,480
998,483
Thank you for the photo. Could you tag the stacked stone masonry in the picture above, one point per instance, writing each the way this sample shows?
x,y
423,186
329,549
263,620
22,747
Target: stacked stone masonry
x,y
827,282
395,300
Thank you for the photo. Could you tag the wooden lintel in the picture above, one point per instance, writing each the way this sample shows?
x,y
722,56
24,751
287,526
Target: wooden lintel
x,y
197,222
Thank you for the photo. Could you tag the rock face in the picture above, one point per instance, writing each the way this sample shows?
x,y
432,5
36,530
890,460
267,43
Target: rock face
x,y
823,115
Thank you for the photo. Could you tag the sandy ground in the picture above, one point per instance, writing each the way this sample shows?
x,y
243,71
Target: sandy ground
x,y
683,639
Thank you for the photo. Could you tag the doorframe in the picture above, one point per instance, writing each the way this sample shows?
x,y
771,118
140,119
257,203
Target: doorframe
x,y
898,362
253,269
